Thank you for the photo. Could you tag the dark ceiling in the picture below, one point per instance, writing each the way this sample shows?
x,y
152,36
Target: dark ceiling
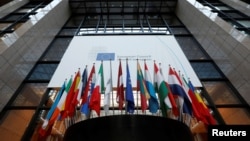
x,y
116,6
3,2
122,6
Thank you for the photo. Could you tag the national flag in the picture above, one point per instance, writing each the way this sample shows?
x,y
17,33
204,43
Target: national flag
x,y
178,90
84,80
61,104
102,78
197,112
172,100
95,98
81,87
153,101
211,120
204,110
142,88
89,86
92,81
129,93
108,90
167,99
120,88
69,107
80,90
45,128
86,94
162,90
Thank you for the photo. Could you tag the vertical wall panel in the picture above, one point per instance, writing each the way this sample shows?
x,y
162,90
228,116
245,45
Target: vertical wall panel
x,y
223,43
25,52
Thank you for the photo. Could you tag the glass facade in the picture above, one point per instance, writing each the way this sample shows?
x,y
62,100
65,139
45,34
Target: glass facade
x,y
32,100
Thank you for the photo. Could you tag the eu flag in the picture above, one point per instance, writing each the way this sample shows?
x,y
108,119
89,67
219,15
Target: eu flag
x,y
105,56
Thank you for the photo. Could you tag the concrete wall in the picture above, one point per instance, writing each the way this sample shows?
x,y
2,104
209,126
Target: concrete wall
x,y
11,6
239,5
31,40
228,47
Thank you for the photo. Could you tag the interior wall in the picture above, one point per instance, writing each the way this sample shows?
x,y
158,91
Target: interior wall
x,y
19,58
83,50
227,46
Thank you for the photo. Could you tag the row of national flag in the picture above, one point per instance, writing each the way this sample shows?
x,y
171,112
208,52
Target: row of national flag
x,y
79,97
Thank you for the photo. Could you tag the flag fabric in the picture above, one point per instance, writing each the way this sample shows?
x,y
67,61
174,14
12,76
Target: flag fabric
x,y
178,90
210,119
48,123
171,97
153,101
88,90
61,104
106,102
81,86
86,94
69,107
79,92
162,90
95,98
202,107
92,81
167,100
102,86
84,80
170,100
89,86
55,104
142,88
46,128
129,93
120,88
197,112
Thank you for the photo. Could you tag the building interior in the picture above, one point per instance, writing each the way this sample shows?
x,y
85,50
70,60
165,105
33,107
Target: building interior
x,y
214,35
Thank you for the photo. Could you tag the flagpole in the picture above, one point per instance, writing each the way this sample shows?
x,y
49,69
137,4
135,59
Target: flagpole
x,y
125,91
112,94
137,95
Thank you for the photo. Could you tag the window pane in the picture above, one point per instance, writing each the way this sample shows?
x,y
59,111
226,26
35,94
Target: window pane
x,y
191,48
24,10
43,72
234,15
15,17
57,49
14,124
74,21
235,115
245,23
220,93
222,8
172,20
91,21
155,20
179,30
205,70
68,32
30,95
